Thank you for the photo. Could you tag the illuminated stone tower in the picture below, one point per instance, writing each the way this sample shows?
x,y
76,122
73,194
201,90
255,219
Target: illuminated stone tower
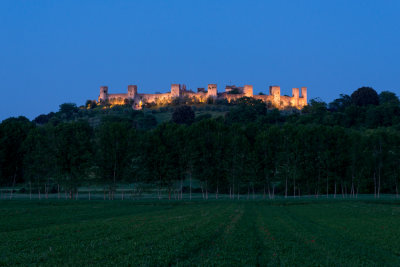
x,y
275,91
248,90
212,90
132,91
103,93
295,95
304,94
175,90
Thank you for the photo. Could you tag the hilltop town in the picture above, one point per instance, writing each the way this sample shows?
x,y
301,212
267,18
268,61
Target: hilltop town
x,y
232,92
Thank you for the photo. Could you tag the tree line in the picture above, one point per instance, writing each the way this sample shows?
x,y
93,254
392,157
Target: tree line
x,y
348,147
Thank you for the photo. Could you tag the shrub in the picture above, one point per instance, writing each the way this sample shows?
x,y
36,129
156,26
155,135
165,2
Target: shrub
x,y
183,115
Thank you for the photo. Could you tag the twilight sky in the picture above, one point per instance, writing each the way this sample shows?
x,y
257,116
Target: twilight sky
x,y
52,52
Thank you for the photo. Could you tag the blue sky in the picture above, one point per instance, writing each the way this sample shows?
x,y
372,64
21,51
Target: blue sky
x,y
53,52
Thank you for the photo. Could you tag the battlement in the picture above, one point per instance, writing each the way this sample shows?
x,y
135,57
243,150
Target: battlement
x,y
232,92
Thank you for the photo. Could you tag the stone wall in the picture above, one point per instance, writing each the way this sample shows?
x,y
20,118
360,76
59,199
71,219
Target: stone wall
x,y
274,99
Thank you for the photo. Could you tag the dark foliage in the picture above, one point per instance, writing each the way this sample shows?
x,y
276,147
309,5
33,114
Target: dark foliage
x,y
183,115
340,147
387,97
90,104
203,117
365,96
68,109
13,132
246,109
146,122
341,103
44,118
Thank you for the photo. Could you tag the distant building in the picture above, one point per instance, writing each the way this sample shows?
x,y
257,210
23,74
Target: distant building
x,y
232,92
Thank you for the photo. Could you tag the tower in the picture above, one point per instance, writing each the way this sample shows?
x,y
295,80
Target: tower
x,y
295,95
103,93
212,90
248,90
275,91
304,94
132,91
175,90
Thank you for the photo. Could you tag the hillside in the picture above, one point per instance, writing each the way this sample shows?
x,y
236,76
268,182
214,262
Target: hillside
x,y
350,146
145,118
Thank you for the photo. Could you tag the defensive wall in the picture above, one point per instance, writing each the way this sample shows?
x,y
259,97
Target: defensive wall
x,y
298,99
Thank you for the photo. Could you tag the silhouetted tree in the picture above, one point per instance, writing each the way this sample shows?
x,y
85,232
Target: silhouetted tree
x,y
73,153
44,118
365,96
90,104
387,97
183,115
112,152
13,132
340,103
68,109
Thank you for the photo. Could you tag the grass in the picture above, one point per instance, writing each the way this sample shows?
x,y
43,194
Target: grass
x,y
200,233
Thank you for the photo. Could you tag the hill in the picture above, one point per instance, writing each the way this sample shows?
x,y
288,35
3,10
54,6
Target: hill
x,y
350,146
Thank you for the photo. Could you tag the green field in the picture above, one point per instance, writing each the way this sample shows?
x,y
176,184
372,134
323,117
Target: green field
x,y
200,233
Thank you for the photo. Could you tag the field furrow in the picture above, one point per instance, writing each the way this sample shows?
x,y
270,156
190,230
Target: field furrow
x,y
200,233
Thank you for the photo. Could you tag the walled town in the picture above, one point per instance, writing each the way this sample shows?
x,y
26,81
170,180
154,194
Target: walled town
x,y
232,92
